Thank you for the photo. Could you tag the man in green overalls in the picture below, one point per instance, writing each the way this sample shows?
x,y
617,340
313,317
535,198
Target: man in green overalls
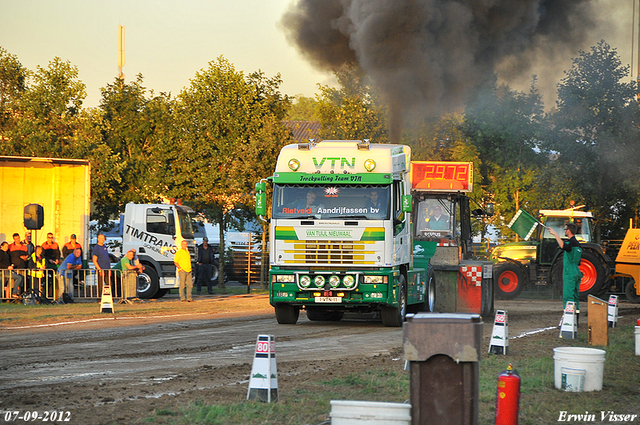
x,y
571,274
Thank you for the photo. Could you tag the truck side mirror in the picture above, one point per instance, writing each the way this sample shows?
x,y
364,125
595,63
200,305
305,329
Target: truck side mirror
x,y
261,199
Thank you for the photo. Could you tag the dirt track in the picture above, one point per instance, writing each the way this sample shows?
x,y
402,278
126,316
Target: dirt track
x,y
128,368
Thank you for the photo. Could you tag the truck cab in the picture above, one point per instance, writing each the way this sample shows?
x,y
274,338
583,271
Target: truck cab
x,y
156,231
340,232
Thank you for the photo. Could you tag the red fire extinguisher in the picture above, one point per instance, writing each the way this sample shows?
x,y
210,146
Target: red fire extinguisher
x,y
508,397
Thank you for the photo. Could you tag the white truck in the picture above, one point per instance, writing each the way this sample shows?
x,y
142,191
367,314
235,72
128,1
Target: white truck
x,y
156,231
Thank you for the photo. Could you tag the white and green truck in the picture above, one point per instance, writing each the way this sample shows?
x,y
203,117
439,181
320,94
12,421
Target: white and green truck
x,y
341,234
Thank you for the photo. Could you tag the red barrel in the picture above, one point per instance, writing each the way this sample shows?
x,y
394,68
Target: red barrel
x,y
508,397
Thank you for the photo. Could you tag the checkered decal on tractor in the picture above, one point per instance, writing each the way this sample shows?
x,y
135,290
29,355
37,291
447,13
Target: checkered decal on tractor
x,y
473,273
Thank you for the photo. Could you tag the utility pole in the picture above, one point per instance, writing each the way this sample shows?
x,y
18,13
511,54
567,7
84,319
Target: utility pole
x,y
121,50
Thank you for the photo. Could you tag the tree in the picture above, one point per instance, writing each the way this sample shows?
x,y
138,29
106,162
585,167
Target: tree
x,y
352,112
47,114
227,134
595,132
13,78
303,109
134,126
505,126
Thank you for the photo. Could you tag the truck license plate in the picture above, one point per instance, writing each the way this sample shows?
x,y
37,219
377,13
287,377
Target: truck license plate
x,y
328,299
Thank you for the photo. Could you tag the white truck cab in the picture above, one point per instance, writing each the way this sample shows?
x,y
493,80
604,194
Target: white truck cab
x,y
156,231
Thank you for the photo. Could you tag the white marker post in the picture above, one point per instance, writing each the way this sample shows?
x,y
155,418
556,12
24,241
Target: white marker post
x,y
263,385
499,343
569,330
612,311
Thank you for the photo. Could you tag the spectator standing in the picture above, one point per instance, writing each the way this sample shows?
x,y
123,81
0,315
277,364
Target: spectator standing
x,y
6,270
27,241
182,260
51,252
204,261
70,246
38,265
70,264
102,263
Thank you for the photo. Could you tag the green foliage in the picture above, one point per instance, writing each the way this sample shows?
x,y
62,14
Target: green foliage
x,y
47,117
134,127
505,127
303,109
13,78
353,112
596,131
227,133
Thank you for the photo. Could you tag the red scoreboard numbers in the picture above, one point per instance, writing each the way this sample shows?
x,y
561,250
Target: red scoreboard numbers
x,y
442,176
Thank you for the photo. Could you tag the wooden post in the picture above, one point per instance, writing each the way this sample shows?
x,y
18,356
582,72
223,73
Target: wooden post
x,y
598,326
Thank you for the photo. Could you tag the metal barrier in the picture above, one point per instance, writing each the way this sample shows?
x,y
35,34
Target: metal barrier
x,y
50,284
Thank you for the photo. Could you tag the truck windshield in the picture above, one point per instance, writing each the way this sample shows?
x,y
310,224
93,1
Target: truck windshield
x,y
306,201
185,224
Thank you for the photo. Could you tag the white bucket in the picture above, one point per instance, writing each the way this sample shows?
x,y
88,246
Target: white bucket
x,y
637,340
591,360
345,412
572,379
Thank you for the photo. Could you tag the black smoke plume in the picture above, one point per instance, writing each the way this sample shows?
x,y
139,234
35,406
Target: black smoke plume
x,y
433,56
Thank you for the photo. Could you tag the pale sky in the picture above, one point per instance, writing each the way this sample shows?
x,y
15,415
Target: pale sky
x,y
167,41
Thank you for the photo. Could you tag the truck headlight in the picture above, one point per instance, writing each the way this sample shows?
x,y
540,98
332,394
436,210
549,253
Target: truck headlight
x,y
319,281
334,281
349,281
373,279
285,278
305,281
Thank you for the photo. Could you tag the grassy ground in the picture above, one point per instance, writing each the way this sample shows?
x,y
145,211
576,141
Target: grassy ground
x,y
306,400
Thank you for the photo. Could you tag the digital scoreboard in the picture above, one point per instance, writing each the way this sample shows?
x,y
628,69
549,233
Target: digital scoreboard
x,y
442,176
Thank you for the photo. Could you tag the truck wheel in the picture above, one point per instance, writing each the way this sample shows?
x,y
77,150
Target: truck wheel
x,y
286,314
394,316
630,292
317,315
593,274
148,283
509,281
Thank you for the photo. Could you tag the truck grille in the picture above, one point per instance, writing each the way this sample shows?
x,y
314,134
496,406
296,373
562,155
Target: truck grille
x,y
330,252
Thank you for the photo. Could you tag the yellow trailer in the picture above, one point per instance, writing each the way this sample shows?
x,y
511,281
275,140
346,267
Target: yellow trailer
x,y
60,186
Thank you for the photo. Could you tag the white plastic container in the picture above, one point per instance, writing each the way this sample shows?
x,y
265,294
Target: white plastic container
x,y
591,360
637,340
346,412
572,379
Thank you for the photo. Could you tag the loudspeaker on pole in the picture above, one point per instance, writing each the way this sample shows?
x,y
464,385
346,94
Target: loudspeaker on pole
x,y
612,311
106,303
569,328
499,343
263,385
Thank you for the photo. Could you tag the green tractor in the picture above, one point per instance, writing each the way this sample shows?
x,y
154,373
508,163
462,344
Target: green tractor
x,y
538,261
